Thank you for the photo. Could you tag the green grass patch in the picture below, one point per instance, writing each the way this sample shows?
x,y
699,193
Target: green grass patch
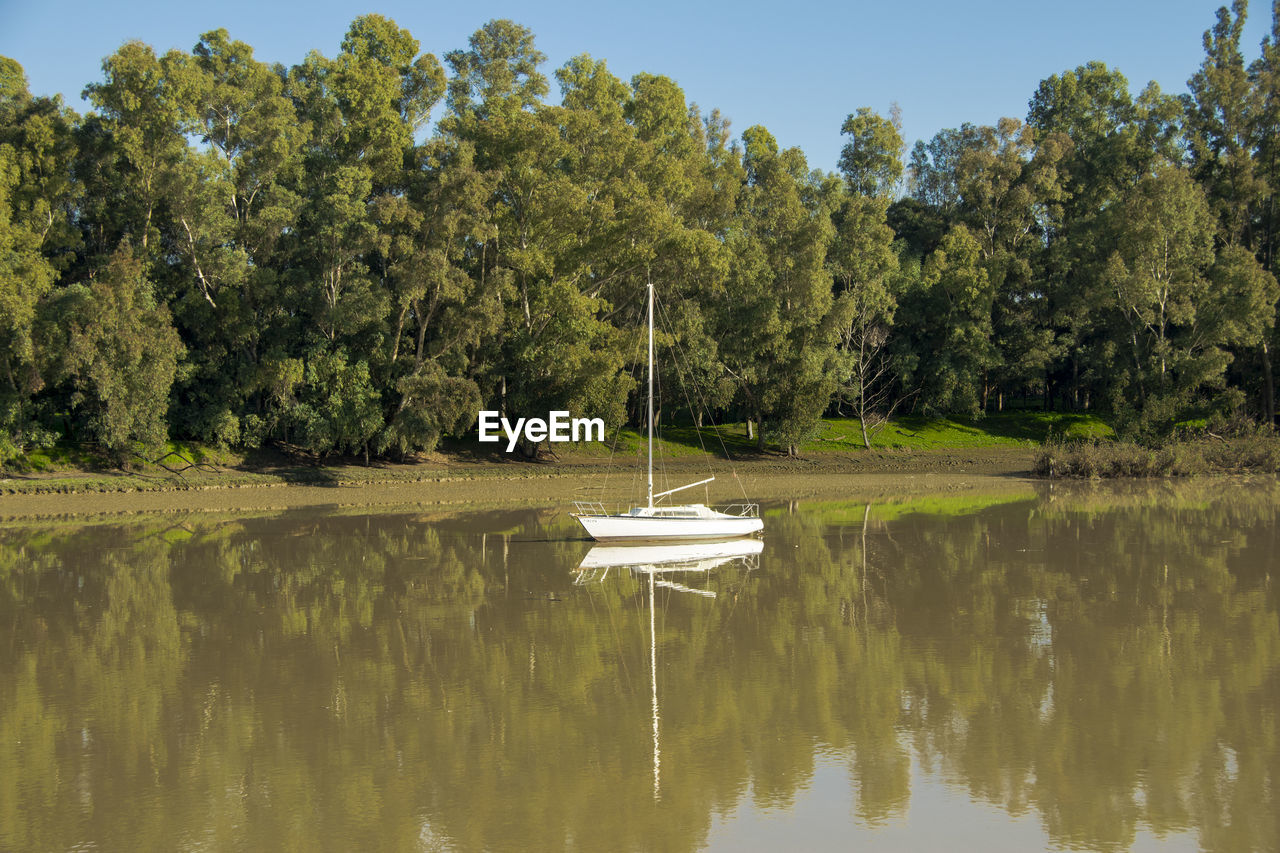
x,y
60,457
999,430
1007,429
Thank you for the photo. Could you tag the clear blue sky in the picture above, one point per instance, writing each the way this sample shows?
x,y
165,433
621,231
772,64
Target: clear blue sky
x,y
796,66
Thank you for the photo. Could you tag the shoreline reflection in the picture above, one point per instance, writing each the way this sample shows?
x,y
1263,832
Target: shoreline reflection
x,y
1100,667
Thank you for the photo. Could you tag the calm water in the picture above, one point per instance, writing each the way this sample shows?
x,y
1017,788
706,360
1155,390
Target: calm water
x,y
1095,669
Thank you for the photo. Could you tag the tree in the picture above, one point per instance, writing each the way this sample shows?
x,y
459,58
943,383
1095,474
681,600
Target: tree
x,y
864,265
1265,77
949,350
498,75
1221,114
551,216
117,352
147,106
37,241
1109,141
233,203
780,323
442,315
871,161
1177,309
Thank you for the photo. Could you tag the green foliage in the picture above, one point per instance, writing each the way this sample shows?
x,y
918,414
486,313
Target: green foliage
x,y
338,407
432,404
1256,454
950,311
1175,316
432,236
871,161
118,352
781,324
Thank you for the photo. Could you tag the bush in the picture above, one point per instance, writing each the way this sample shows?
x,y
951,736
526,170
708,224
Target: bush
x,y
1253,454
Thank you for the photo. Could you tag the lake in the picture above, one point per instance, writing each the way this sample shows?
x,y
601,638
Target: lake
x,y
1091,668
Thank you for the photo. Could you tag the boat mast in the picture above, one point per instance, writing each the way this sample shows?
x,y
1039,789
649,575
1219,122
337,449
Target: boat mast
x,y
650,393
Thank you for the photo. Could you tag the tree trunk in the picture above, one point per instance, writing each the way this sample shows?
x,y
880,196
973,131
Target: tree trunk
x,y
1268,388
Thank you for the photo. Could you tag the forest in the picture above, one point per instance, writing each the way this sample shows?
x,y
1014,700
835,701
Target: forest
x,y
356,254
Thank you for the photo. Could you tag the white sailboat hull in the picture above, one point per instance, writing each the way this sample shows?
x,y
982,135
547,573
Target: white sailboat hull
x,y
639,527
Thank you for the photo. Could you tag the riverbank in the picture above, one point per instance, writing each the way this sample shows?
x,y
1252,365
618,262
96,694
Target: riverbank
x,y
998,444
447,479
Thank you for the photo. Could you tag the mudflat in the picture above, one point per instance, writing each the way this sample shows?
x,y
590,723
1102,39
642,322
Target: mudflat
x,y
873,475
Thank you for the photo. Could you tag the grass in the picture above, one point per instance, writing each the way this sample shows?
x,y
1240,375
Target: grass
x,y
844,435
998,430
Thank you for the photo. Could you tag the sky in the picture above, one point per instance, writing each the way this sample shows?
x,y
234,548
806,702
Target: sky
x,y
798,67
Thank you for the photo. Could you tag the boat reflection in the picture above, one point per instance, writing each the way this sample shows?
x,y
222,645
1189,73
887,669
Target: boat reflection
x,y
671,558
666,559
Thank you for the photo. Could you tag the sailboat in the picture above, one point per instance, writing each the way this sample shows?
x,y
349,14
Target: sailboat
x,y
651,521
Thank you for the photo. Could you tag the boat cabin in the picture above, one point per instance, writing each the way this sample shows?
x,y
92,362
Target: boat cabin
x,y
688,511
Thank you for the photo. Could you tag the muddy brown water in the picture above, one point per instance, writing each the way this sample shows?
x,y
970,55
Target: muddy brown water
x,y
1021,669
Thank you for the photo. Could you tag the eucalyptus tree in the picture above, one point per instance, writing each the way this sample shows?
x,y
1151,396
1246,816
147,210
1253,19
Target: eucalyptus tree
x,y
946,351
689,179
554,350
871,161
1000,182
131,147
1227,130
1176,310
109,342
1264,74
780,323
232,200
1109,141
38,238
441,315
363,108
864,264
1221,114
114,346
1007,183
865,269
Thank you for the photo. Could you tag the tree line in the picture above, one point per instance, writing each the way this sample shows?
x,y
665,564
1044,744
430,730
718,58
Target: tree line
x,y
356,254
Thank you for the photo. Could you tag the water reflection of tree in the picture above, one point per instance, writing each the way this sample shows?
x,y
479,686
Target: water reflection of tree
x,y
1103,662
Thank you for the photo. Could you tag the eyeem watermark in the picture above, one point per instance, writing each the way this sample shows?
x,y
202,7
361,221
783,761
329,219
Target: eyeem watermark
x,y
558,427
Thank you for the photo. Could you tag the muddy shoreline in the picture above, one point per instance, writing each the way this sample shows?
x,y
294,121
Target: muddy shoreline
x,y
870,476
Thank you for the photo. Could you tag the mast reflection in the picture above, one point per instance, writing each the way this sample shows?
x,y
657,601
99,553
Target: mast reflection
x,y
698,558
